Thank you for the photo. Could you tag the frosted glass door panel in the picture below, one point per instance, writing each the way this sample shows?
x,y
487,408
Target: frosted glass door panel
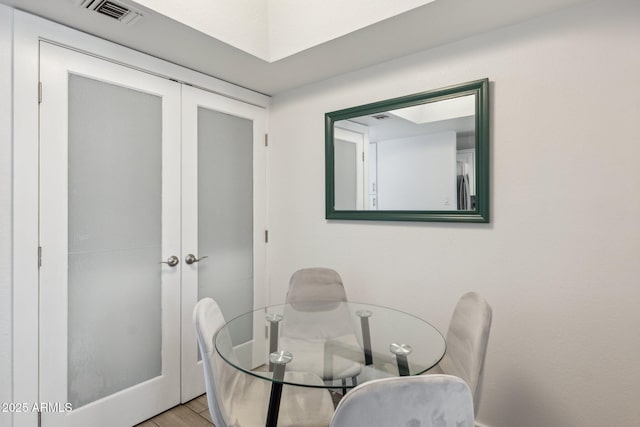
x,y
223,219
115,207
346,175
225,214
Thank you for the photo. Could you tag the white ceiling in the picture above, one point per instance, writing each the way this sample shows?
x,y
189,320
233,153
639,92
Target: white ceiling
x,y
274,29
423,27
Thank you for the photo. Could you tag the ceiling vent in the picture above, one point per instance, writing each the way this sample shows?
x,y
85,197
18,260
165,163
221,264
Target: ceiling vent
x,y
381,116
112,9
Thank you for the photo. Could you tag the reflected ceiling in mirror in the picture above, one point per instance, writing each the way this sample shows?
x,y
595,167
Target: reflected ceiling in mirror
x,y
422,157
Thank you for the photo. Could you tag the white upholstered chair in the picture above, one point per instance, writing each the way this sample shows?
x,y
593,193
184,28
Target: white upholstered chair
x,y
317,293
420,401
237,399
316,284
467,339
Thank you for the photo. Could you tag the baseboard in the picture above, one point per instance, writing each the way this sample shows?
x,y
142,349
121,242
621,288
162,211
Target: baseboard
x,y
480,425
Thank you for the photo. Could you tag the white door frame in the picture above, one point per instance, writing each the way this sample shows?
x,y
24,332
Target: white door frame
x,y
6,124
28,31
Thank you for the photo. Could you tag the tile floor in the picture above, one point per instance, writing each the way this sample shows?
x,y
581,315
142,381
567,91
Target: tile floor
x,y
194,413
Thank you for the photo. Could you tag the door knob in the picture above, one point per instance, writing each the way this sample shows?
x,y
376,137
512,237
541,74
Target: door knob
x,y
191,258
172,261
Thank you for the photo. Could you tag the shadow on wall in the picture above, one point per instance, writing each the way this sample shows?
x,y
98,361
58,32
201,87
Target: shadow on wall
x,y
525,398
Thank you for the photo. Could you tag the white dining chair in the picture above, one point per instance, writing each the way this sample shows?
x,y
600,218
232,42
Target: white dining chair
x,y
315,318
467,339
315,284
237,399
419,401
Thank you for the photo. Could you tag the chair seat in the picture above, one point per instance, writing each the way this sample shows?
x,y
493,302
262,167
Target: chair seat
x,y
247,404
369,373
389,370
309,356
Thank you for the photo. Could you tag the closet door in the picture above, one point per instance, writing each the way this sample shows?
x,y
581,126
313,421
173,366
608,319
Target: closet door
x,y
109,215
223,217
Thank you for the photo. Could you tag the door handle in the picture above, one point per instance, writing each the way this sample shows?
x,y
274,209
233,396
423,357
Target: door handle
x,y
172,261
191,259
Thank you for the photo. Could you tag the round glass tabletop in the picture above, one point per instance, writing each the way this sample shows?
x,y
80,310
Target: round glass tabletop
x,y
340,343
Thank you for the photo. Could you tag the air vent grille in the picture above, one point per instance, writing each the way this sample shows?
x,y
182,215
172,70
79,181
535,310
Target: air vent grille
x,y
112,9
380,116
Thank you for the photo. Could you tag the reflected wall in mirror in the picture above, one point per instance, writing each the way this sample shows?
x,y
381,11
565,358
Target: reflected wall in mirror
x,y
422,157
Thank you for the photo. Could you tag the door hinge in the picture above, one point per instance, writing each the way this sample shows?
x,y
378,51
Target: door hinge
x,y
266,236
266,139
39,256
39,92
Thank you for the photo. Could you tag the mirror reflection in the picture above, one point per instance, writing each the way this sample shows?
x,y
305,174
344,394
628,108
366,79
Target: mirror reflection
x,y
420,157
415,158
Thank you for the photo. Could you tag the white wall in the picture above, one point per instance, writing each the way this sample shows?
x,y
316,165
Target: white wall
x,y
6,63
275,29
417,172
559,261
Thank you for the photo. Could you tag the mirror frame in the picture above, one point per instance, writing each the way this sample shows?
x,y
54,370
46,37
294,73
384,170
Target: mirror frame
x,y
479,88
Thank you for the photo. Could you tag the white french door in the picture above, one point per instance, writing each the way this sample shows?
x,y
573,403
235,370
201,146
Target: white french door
x,y
109,311
134,177
223,216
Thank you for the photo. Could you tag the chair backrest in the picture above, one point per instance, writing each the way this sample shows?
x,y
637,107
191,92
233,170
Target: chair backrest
x,y
316,284
467,339
420,401
208,319
315,312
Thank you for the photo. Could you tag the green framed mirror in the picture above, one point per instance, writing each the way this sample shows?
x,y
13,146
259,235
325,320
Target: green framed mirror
x,y
421,157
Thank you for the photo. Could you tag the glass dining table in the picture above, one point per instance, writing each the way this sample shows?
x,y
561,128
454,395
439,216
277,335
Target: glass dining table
x,y
342,343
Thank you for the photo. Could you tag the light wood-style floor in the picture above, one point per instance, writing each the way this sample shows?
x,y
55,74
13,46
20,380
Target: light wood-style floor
x,y
194,413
